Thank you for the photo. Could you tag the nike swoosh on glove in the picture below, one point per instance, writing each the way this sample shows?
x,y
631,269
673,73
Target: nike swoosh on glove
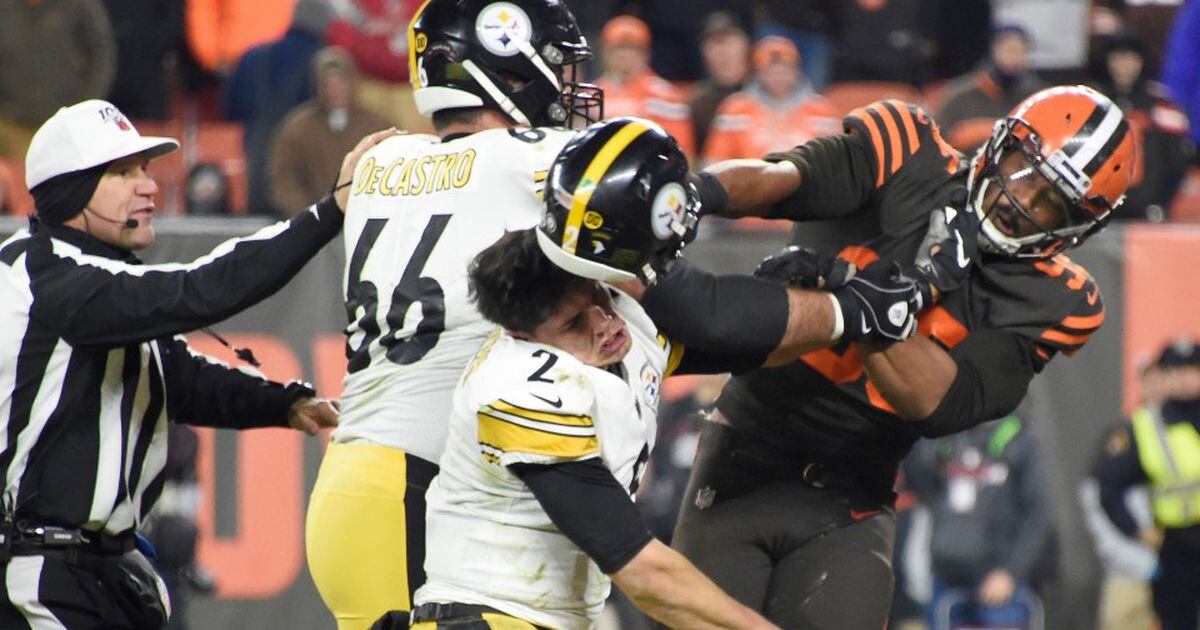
x,y
949,249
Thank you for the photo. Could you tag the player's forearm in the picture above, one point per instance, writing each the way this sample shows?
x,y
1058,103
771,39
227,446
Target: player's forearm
x,y
755,186
809,327
913,376
664,585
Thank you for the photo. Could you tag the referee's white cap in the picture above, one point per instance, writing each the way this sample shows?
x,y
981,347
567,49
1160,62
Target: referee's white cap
x,y
84,135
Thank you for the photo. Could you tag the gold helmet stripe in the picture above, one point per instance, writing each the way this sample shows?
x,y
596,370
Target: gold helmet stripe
x,y
592,176
414,77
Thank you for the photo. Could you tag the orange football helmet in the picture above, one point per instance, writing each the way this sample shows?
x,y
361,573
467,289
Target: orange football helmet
x,y
1052,173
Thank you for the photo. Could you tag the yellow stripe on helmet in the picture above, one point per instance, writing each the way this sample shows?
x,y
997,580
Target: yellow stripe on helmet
x,y
592,176
414,76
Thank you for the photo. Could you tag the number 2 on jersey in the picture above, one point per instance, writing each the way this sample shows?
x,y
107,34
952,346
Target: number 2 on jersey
x,y
413,287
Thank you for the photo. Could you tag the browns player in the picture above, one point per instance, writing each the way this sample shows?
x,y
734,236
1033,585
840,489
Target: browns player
x,y
789,508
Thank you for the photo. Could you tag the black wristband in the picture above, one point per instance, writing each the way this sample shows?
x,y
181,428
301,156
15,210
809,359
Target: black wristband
x,y
714,199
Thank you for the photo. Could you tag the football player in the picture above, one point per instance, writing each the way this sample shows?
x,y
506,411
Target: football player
x,y
804,455
554,420
497,79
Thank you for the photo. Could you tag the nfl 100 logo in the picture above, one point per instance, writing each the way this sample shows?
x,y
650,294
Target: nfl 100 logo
x,y
114,116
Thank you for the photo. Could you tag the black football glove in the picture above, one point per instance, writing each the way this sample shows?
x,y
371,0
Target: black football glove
x,y
879,304
804,267
950,247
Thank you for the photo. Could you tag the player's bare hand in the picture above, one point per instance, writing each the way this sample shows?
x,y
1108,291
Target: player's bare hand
x,y
997,588
310,415
341,193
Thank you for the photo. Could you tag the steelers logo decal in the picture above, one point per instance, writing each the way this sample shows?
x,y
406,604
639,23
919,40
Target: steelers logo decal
x,y
667,209
502,27
651,381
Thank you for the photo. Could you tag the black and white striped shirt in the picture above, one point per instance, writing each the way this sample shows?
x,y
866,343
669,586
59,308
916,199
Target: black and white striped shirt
x,y
92,367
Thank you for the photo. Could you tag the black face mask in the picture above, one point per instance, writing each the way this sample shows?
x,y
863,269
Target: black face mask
x,y
64,196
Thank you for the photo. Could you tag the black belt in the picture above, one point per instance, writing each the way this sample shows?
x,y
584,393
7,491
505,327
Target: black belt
x,y
36,539
438,611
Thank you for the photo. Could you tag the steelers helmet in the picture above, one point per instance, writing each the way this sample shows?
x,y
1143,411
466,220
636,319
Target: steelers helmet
x,y
619,205
1071,137
521,57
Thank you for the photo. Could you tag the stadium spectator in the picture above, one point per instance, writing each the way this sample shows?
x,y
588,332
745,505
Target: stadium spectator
x,y
220,32
883,40
148,34
991,536
1181,65
270,80
778,110
1160,449
726,51
375,32
631,88
1150,20
974,102
314,136
810,25
54,53
1161,126
1058,30
592,15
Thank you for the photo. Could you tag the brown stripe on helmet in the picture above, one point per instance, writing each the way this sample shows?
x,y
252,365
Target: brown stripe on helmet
x,y
1114,141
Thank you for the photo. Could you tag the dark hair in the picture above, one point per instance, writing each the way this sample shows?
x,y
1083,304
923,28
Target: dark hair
x,y
515,286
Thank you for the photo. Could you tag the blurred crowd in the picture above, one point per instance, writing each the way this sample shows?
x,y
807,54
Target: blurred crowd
x,y
268,94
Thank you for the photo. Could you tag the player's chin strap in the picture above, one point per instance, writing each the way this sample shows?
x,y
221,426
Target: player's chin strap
x,y
243,353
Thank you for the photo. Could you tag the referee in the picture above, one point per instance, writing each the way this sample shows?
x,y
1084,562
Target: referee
x,y
92,368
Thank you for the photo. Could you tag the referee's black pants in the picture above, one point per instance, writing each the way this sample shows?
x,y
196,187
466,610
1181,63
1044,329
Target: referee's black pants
x,y
47,591
805,557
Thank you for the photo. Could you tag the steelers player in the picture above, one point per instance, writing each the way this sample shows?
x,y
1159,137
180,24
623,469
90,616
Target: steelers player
x,y
494,78
805,455
554,420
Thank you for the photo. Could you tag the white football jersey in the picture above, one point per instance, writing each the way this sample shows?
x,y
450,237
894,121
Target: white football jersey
x,y
488,540
420,210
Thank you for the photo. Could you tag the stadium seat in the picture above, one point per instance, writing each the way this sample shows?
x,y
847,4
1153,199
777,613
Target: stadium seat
x,y
850,95
970,134
933,96
221,143
14,198
1186,205
218,143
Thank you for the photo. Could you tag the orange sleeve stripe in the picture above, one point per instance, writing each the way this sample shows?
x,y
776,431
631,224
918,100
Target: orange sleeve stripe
x,y
1084,322
889,122
876,139
910,126
859,255
1045,356
1057,336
